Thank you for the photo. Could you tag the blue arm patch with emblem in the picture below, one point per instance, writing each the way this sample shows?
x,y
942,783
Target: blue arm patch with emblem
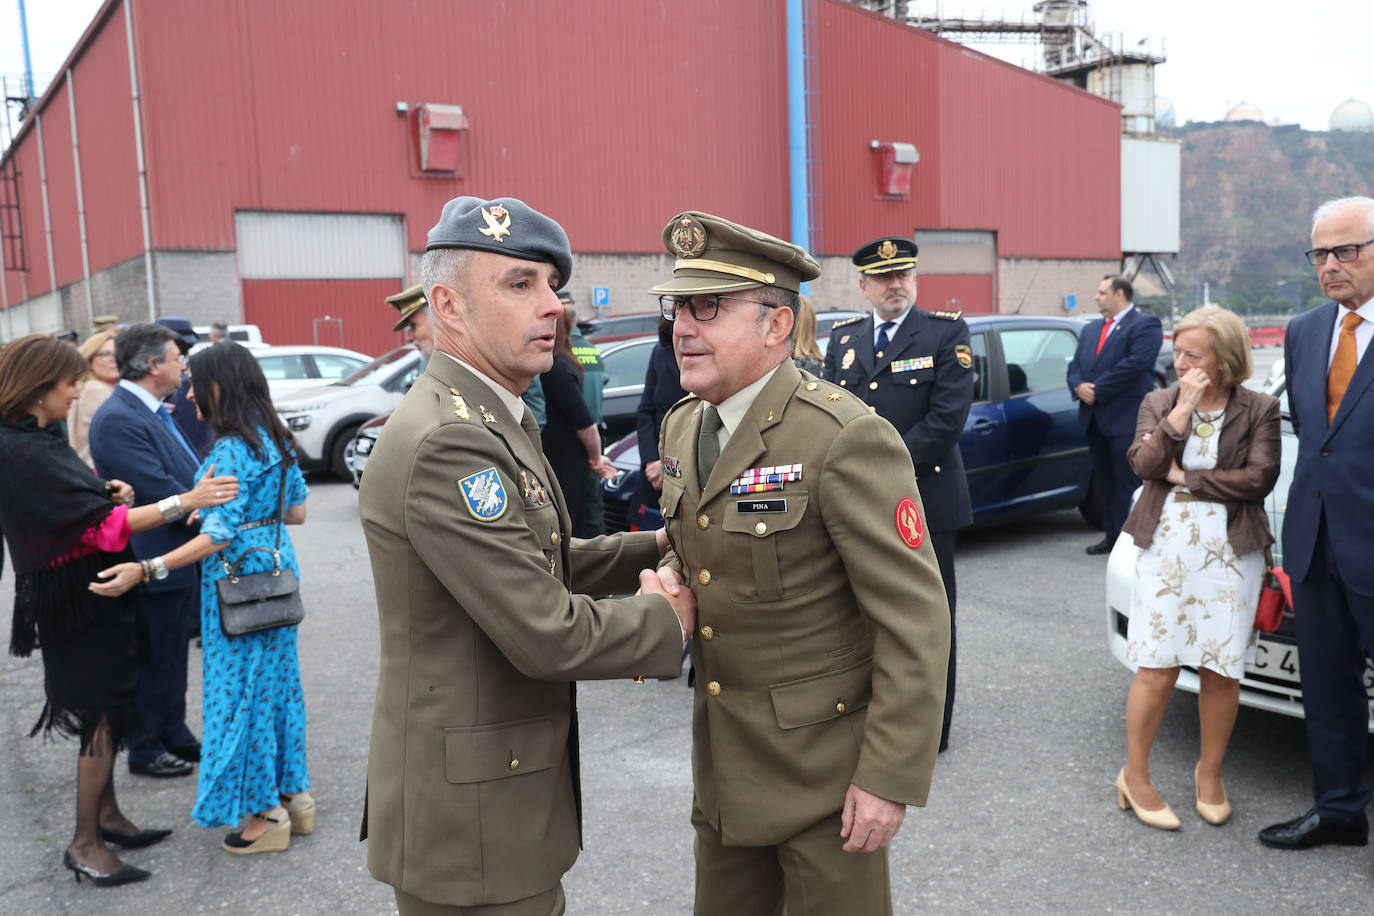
x,y
484,494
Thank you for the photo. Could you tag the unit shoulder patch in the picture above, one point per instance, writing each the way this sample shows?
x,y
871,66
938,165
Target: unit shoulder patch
x,y
484,494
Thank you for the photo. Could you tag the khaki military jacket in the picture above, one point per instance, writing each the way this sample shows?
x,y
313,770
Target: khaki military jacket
x,y
472,784
822,632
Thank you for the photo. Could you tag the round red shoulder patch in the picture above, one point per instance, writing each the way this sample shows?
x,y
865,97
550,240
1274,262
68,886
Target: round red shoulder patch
x,y
909,523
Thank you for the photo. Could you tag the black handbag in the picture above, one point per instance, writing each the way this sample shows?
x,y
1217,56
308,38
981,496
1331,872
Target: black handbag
x,y
262,600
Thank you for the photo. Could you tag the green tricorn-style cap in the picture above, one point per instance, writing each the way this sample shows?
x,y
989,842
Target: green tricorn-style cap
x,y
407,302
715,255
885,255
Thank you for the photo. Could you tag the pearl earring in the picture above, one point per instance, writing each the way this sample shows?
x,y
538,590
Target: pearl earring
x,y
40,402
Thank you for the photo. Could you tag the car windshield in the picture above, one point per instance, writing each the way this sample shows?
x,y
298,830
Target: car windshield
x,y
375,372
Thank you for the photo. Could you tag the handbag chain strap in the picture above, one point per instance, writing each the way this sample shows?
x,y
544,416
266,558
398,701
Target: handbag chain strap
x,y
232,571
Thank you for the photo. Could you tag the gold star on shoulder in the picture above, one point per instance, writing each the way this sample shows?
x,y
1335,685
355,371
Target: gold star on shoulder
x,y
486,414
834,396
460,407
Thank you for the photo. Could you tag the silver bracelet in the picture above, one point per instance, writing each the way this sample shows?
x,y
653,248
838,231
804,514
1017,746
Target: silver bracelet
x,y
170,508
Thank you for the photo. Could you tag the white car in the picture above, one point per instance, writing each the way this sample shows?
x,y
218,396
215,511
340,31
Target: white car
x,y
323,420
1273,683
291,369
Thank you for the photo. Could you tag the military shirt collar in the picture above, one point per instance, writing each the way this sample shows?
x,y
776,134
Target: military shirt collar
x,y
733,408
514,406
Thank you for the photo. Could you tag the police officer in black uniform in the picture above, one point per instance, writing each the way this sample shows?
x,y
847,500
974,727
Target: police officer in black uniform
x,y
916,369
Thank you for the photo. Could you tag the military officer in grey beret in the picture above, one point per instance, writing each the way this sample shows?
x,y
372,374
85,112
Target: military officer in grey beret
x,y
414,318
915,369
823,633
473,800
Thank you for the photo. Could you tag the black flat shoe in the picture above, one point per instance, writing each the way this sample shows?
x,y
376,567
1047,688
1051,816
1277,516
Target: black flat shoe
x,y
127,874
163,766
189,752
1101,547
1311,830
134,840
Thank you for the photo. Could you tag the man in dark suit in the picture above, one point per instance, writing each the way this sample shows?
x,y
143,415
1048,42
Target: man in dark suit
x,y
915,369
1110,375
1329,523
134,438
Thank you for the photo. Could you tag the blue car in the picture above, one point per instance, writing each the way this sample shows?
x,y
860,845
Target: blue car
x,y
1023,449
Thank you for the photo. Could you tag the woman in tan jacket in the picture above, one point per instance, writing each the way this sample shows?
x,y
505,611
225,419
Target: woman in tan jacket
x,y
96,387
1208,453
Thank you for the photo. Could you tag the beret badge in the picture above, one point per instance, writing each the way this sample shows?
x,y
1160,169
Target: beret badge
x,y
498,223
689,239
887,250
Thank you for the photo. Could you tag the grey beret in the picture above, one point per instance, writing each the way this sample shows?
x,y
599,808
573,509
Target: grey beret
x,y
506,226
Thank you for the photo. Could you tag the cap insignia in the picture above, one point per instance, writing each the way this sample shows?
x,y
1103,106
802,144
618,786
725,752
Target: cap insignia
x,y
689,239
887,250
498,223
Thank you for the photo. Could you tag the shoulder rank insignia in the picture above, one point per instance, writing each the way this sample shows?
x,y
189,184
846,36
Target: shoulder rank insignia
x,y
848,359
947,314
460,407
964,355
834,396
847,321
486,414
498,223
484,495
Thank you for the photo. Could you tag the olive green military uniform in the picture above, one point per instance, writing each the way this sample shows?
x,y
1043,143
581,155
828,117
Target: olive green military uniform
x,y
472,787
822,630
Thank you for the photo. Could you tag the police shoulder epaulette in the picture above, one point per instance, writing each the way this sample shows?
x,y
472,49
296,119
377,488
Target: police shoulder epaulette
x,y
947,314
840,324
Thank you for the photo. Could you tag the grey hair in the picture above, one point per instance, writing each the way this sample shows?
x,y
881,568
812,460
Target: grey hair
x,y
782,298
138,345
443,266
1346,203
220,329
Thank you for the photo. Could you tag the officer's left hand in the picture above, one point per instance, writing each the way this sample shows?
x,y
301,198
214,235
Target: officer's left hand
x,y
869,822
661,539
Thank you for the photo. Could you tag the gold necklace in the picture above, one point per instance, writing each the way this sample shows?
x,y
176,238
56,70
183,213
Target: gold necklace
x,y
1206,423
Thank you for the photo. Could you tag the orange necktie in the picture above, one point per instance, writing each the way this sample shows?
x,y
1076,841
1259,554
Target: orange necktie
x,y
1342,365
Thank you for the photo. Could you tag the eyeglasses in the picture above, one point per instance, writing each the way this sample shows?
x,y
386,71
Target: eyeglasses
x,y
1317,256
703,308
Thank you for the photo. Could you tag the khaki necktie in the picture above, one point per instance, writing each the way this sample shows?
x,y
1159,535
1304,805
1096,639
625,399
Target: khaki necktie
x,y
708,445
1342,365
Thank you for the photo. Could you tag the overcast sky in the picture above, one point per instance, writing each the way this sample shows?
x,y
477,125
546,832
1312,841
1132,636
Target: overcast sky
x,y
1220,52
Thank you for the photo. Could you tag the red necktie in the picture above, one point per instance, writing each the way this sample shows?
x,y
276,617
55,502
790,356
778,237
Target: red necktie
x,y
1102,338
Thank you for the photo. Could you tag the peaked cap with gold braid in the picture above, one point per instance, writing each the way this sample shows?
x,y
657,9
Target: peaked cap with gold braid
x,y
715,255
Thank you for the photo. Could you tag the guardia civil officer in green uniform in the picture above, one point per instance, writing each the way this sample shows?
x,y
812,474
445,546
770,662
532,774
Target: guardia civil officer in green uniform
x,y
473,797
823,635
915,369
592,521
415,318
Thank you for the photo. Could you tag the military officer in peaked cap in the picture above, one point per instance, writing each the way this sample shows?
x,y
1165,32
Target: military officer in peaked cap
x,y
915,369
415,318
473,799
823,634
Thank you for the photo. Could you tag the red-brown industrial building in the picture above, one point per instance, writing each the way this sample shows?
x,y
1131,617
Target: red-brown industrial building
x,y
279,162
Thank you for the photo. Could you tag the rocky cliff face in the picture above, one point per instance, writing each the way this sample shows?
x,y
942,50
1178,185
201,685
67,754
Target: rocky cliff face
x,y
1248,194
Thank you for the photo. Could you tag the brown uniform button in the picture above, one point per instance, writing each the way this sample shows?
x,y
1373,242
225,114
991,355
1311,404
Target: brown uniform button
x,y
554,538
872,386
811,386
514,762
704,577
839,706
703,521
707,633
713,688
760,528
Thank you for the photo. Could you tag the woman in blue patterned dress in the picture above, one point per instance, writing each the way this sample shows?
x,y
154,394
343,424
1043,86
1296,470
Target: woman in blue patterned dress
x,y
253,750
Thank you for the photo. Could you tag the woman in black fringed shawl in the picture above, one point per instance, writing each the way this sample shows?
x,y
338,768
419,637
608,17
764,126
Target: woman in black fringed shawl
x,y
63,525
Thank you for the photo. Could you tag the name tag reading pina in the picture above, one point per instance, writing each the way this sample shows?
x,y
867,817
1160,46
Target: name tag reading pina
x,y
761,505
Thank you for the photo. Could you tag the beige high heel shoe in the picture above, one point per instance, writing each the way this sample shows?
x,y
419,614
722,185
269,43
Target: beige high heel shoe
x,y
1160,818
276,838
301,807
1212,814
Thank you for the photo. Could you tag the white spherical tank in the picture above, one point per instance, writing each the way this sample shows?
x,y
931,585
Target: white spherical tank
x,y
1353,115
1245,112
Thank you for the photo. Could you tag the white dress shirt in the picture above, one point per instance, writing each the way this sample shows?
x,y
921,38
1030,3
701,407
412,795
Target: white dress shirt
x,y
1363,331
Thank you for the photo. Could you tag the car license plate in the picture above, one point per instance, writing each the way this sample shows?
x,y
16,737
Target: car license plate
x,y
1276,660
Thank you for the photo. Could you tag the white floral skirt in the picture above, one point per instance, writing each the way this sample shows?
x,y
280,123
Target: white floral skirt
x,y
1194,599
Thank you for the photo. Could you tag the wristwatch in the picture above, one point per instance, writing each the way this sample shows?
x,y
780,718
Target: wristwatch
x,y
154,568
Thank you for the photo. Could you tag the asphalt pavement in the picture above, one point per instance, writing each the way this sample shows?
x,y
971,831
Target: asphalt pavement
x,y
1022,815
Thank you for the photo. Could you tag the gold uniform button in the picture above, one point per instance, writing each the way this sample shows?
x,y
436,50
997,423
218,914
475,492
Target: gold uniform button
x,y
879,354
554,538
872,386
713,688
937,469
703,521
913,381
760,528
839,706
811,386
844,383
704,577
707,633
639,679
514,762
